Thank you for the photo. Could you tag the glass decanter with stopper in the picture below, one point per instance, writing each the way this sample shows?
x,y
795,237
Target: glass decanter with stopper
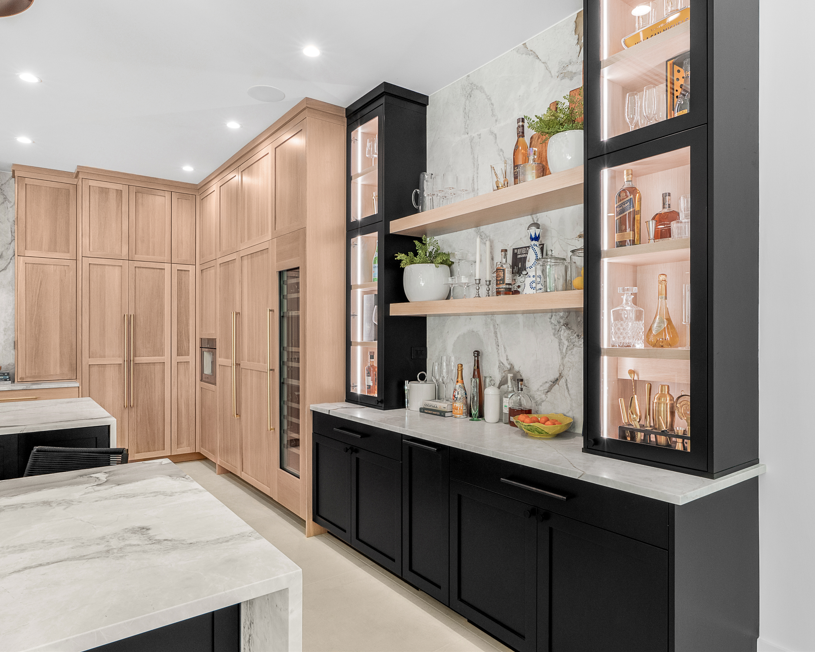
x,y
519,403
662,333
627,322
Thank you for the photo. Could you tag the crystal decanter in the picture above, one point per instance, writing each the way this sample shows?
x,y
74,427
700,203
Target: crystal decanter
x,y
627,322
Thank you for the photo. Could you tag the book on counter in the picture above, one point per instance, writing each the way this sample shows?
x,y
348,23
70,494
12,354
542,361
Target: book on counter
x,y
437,408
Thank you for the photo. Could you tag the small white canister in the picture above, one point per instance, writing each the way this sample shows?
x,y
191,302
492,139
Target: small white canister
x,y
492,402
420,391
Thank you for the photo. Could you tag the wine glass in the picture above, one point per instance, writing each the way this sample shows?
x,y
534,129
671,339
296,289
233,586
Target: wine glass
x,y
632,110
662,103
451,186
435,376
650,104
376,147
446,373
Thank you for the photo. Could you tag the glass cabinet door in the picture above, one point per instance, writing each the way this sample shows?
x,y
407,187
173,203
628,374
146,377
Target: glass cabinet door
x,y
364,314
290,408
364,170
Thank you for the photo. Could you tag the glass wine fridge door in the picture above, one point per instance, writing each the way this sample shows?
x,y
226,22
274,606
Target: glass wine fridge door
x,y
364,318
290,407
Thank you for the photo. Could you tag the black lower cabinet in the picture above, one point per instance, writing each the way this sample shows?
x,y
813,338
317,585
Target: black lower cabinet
x,y
426,517
16,449
331,495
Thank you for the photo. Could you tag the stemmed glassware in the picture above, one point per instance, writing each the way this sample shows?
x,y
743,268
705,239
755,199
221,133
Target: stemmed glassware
x,y
447,370
650,104
632,110
435,376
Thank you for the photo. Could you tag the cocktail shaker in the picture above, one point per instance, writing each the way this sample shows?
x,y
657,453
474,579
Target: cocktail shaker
x,y
664,413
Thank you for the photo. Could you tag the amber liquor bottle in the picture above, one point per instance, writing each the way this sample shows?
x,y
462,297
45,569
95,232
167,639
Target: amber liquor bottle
x,y
503,276
520,155
370,375
664,219
477,375
628,213
662,334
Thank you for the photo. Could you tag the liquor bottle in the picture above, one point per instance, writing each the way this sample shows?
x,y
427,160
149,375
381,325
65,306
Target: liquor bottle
x,y
627,216
505,402
519,403
520,155
477,375
370,375
460,396
627,321
375,264
662,332
503,276
664,219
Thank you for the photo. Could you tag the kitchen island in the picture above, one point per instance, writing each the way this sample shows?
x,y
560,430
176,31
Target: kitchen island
x,y
93,558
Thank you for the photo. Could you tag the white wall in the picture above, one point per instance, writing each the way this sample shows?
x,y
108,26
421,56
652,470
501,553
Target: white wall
x,y
787,344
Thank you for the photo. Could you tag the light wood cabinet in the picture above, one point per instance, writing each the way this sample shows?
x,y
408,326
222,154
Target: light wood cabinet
x,y
208,217
207,304
104,219
255,225
46,319
290,188
150,220
208,421
184,351
183,221
46,219
42,394
228,210
228,374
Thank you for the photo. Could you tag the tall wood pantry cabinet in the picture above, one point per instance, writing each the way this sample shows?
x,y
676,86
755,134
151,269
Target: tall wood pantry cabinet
x,y
271,226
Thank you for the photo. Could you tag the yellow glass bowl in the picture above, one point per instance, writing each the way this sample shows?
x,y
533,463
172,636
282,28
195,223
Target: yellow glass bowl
x,y
539,431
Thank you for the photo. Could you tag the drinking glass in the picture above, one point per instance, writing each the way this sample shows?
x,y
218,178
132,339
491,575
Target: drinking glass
x,y
643,15
662,102
376,146
684,207
642,122
650,104
632,110
670,6
369,150
686,298
450,186
435,376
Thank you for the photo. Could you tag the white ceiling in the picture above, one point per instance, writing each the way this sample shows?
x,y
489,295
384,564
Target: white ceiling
x,y
147,86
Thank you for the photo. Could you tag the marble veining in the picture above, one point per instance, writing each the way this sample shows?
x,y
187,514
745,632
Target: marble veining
x,y
90,557
562,455
7,271
10,387
471,124
55,414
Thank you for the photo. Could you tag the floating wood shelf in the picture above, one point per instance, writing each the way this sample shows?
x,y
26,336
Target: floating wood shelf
x,y
651,354
645,62
571,300
545,194
664,251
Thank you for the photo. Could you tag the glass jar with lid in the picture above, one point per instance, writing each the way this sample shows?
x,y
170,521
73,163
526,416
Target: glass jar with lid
x,y
576,278
553,274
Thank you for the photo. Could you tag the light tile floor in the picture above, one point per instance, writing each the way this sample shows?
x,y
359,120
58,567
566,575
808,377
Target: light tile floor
x,y
350,603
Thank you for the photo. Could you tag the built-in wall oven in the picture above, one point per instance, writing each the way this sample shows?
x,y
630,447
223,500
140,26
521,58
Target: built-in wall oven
x,y
208,362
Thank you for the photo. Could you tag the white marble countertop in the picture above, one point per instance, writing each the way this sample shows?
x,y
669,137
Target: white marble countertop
x,y
5,387
90,557
562,455
56,414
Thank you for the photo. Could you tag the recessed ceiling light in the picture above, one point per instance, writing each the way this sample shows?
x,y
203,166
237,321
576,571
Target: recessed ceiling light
x,y
311,51
187,168
233,125
266,93
28,77
641,10
24,139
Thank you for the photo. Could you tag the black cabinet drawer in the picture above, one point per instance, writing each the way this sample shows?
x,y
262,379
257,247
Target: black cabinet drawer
x,y
375,440
633,516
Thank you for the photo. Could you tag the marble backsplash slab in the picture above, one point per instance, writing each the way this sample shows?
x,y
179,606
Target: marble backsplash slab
x,y
6,271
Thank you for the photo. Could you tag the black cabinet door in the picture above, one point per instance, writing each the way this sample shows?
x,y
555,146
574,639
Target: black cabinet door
x,y
331,486
426,518
598,590
376,508
493,564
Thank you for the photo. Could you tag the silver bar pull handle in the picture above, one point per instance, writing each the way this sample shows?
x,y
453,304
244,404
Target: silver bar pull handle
x,y
543,492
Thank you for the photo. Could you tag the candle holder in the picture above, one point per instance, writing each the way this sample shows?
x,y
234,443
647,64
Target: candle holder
x,y
488,282
478,288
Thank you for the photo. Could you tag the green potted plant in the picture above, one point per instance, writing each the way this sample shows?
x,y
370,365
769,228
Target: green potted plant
x,y
426,271
562,124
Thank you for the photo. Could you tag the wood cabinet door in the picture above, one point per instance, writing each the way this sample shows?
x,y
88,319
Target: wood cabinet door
x,y
150,395
150,222
105,339
184,352
228,207
492,564
208,421
255,224
576,560
228,375
256,362
208,210
331,486
104,219
289,190
183,221
46,319
207,426
46,219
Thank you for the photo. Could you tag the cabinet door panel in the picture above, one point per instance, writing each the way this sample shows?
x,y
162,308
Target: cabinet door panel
x,y
105,327
229,433
256,199
46,219
331,478
46,319
376,508
184,352
493,561
627,582
208,421
150,391
150,220
208,226
208,301
104,219
228,207
183,221
290,180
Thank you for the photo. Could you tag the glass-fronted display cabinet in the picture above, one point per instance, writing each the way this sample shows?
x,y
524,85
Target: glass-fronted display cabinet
x,y
290,356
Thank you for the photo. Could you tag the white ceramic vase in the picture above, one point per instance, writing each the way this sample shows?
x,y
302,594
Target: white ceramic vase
x,y
565,150
426,282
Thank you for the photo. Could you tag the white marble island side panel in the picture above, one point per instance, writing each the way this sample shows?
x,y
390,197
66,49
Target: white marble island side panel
x,y
56,414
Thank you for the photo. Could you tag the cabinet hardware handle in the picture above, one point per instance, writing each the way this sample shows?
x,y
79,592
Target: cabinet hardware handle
x,y
124,355
234,389
347,449
22,398
132,357
535,489
418,445
529,513
542,516
269,369
350,433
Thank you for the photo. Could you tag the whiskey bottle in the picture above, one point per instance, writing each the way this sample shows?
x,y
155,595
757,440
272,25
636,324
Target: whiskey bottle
x,y
664,219
520,155
627,215
477,376
519,403
370,375
503,276
662,332
460,396
505,401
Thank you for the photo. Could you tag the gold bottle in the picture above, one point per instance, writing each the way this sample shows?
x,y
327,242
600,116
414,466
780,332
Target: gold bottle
x,y
662,332
664,413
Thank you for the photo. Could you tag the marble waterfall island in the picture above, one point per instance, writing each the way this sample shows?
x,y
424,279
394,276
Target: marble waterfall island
x,y
91,557
56,414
